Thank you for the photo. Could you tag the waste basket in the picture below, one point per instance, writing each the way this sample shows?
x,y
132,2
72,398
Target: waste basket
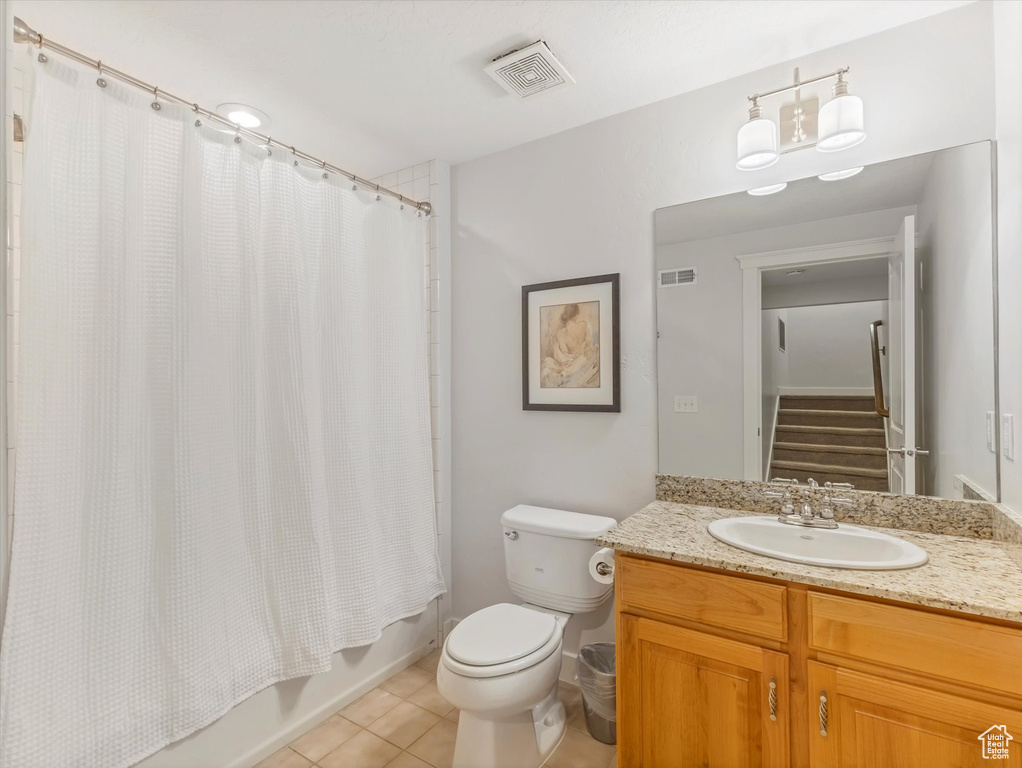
x,y
597,677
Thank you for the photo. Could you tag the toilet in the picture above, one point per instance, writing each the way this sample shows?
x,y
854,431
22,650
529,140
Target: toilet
x,y
501,665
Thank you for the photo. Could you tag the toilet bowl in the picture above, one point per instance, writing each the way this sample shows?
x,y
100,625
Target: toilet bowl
x,y
501,667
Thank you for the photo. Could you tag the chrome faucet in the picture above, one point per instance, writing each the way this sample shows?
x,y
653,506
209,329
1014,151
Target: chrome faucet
x,y
805,516
787,505
827,510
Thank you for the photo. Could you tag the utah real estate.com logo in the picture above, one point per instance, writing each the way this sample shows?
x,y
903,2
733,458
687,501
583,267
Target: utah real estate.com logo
x,y
995,742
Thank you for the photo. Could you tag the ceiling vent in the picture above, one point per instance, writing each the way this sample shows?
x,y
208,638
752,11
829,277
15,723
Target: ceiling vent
x,y
530,70
672,278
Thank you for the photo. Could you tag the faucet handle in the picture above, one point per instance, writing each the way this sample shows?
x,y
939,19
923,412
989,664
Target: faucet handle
x,y
827,510
783,481
841,501
846,486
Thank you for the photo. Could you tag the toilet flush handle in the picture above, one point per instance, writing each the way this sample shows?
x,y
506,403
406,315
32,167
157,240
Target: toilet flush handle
x,y
513,535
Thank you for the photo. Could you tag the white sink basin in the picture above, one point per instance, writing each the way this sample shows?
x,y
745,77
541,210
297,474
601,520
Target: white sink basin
x,y
847,546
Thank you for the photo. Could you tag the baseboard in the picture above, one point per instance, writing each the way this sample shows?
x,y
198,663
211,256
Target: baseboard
x,y
826,391
284,737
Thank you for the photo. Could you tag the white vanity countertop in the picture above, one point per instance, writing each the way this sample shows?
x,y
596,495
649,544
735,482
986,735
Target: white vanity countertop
x,y
969,575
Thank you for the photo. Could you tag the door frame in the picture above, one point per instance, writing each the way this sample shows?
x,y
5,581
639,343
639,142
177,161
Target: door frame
x,y
753,265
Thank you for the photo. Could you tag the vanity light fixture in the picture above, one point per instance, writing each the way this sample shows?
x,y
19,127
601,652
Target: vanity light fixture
x,y
244,115
770,189
837,125
758,142
841,120
838,175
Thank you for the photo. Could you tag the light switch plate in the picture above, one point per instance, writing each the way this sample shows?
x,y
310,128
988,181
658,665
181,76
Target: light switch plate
x,y
1008,435
686,404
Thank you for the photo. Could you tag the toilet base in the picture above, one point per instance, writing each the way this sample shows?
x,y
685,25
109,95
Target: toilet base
x,y
520,740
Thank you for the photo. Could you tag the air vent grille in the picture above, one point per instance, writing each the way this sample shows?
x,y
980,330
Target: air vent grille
x,y
530,70
672,278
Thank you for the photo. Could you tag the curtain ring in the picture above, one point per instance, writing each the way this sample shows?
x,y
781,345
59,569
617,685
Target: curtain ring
x,y
156,96
99,66
195,108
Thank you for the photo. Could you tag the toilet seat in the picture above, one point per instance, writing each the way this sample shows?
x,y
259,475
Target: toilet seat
x,y
499,640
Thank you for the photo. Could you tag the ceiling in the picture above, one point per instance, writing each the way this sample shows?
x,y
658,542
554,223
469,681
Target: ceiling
x,y
894,184
377,86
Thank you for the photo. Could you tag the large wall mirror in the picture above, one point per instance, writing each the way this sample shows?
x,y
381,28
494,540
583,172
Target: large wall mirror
x,y
841,329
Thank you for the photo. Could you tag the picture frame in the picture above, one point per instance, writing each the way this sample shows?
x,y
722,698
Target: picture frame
x,y
571,345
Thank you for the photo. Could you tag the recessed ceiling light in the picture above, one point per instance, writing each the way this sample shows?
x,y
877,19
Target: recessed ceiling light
x,y
244,115
838,175
769,190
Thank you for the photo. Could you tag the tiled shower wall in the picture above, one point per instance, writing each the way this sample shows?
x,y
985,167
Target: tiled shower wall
x,y
431,182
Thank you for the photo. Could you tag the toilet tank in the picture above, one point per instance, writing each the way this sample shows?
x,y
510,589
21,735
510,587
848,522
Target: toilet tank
x,y
546,556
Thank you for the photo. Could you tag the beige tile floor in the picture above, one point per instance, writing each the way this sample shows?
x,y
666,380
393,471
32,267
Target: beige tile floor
x,y
406,723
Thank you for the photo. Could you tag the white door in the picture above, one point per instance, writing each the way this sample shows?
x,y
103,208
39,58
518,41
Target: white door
x,y
903,287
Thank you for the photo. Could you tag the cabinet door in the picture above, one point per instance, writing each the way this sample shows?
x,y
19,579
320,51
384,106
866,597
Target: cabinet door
x,y
688,699
861,721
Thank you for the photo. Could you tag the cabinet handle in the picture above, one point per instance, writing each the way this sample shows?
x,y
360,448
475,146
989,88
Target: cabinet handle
x,y
823,714
772,698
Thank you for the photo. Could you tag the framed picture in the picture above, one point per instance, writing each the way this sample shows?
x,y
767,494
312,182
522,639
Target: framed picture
x,y
571,347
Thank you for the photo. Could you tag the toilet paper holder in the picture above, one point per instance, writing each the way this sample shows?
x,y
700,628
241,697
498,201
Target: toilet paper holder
x,y
604,569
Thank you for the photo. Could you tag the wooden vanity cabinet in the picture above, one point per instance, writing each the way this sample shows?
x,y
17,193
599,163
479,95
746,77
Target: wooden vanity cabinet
x,y
700,699
720,670
866,720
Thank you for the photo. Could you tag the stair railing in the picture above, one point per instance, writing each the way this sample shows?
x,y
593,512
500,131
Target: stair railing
x,y
878,379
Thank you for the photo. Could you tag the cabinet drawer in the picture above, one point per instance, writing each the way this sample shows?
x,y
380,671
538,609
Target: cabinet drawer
x,y
738,604
970,652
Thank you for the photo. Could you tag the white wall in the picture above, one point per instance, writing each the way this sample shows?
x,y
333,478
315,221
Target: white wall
x,y
828,346
955,252
774,376
700,347
844,291
581,203
1008,60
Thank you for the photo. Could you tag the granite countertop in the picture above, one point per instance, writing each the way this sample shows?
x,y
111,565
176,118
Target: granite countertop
x,y
969,575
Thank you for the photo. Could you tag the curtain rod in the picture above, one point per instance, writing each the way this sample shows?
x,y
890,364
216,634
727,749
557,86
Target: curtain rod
x,y
23,33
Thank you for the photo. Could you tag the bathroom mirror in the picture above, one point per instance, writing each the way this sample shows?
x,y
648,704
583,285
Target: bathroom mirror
x,y
841,329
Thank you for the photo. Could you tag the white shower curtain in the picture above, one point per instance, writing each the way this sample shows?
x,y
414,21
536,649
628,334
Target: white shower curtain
x,y
224,469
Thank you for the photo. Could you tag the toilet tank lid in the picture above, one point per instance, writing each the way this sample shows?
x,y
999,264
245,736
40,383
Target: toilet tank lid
x,y
556,522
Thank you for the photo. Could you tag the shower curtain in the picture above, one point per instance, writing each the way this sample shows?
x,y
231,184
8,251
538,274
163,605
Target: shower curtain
x,y
223,465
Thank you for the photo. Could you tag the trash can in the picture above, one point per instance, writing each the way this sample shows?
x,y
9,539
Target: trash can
x,y
597,677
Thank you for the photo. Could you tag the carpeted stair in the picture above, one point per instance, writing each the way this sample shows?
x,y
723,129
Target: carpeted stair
x,y
835,439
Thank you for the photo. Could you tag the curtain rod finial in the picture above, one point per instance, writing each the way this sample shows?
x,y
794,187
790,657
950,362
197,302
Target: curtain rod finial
x,y
23,33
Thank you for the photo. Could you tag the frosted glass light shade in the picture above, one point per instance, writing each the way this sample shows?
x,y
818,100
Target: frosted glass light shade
x,y
841,124
771,189
838,175
758,142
